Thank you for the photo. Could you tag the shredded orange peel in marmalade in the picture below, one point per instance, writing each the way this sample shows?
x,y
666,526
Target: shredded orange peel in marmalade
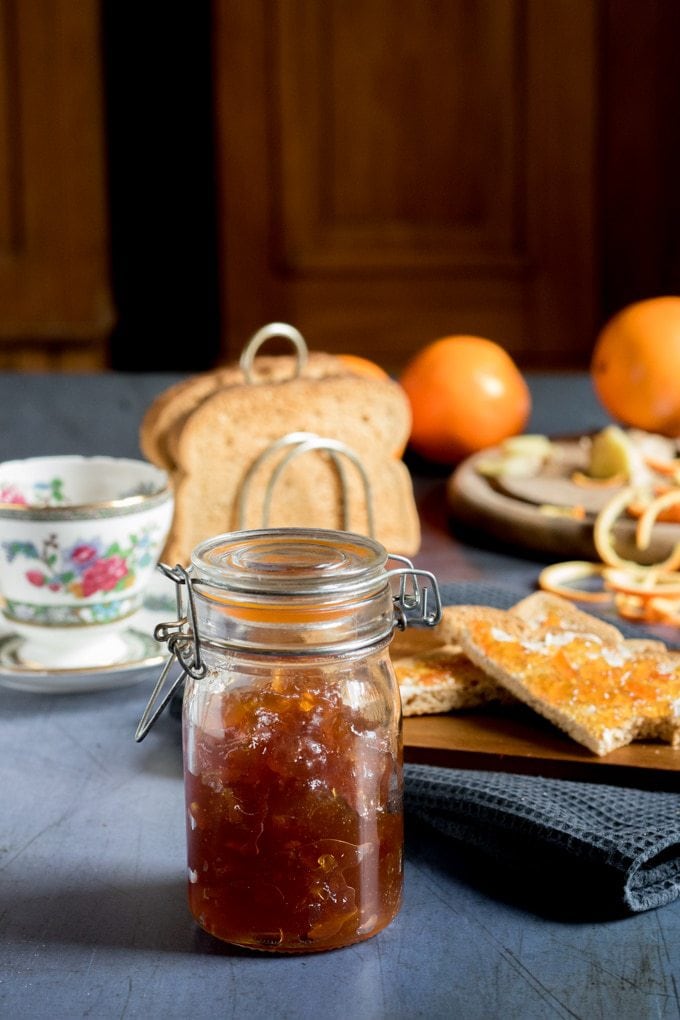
x,y
646,593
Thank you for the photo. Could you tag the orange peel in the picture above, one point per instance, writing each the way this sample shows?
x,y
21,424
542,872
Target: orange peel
x,y
585,481
663,467
554,579
643,531
666,585
604,524
642,593
654,610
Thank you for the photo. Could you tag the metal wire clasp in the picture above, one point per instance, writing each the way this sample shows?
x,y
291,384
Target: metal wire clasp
x,y
414,603
304,442
183,640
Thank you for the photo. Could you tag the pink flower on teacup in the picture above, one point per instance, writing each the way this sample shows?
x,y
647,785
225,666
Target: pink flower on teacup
x,y
104,575
34,577
10,494
83,554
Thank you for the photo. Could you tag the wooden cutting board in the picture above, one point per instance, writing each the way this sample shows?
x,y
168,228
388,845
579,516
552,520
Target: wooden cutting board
x,y
516,740
509,510
513,738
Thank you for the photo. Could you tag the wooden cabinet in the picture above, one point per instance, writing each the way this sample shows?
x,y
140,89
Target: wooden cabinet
x,y
390,171
55,303
379,172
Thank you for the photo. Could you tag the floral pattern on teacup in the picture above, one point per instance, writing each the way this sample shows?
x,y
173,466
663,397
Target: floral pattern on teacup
x,y
39,494
85,568
87,614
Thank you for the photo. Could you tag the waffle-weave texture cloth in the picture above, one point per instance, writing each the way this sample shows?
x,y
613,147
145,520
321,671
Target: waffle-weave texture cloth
x,y
615,845
618,845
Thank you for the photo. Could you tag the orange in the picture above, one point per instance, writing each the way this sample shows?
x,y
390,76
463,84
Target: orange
x,y
466,393
362,366
636,365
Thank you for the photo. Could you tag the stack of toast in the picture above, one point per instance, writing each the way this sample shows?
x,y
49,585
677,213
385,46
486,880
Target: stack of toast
x,y
574,669
216,430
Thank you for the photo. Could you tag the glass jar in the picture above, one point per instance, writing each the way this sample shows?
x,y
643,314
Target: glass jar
x,y
292,740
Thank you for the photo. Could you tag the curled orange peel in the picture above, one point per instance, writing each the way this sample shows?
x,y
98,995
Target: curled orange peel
x,y
604,524
663,467
556,577
643,531
648,593
653,585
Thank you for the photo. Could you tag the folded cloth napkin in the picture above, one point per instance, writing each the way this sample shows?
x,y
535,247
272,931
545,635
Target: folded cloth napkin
x,y
617,846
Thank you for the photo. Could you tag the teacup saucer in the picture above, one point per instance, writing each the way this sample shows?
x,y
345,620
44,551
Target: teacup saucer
x,y
137,650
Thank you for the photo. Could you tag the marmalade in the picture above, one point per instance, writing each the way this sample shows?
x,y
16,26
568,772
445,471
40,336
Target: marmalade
x,y
292,733
294,802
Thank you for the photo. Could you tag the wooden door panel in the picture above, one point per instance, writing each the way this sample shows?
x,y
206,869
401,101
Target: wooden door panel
x,y
390,172
384,184
55,303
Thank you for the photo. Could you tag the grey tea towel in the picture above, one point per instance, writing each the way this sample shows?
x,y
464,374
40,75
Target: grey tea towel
x,y
616,845
612,847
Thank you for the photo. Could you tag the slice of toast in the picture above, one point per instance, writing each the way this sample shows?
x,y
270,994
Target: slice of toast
x,y
435,675
170,409
222,438
172,403
444,679
417,640
581,674
541,609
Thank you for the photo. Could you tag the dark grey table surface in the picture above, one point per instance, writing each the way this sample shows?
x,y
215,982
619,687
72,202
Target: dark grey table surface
x,y
93,921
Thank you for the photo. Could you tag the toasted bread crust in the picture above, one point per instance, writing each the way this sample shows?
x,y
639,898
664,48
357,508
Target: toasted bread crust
x,y
416,640
174,402
164,419
603,691
442,680
223,436
541,608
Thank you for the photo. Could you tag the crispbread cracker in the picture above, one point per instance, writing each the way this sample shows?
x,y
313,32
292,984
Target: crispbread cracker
x,y
443,679
229,429
599,688
414,640
542,608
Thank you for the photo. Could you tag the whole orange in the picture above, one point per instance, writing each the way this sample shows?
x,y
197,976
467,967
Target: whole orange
x,y
636,365
466,393
362,366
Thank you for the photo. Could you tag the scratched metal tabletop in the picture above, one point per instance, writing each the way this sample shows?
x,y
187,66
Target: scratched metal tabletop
x,y
93,918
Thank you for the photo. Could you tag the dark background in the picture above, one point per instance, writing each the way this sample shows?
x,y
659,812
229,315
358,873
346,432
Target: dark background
x,y
129,241
161,184
161,172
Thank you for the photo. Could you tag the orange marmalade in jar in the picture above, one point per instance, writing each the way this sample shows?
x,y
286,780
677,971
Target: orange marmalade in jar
x,y
292,739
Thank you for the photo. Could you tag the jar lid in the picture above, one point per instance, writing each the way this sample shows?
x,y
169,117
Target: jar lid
x,y
291,561
286,591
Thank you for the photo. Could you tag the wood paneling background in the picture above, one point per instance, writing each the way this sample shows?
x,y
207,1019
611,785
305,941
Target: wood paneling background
x,y
638,199
391,172
379,172
55,304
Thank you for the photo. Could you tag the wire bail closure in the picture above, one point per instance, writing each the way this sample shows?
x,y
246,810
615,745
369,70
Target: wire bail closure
x,y
415,604
183,640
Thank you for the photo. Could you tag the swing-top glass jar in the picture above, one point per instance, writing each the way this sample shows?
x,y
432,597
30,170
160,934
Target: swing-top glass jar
x,y
292,737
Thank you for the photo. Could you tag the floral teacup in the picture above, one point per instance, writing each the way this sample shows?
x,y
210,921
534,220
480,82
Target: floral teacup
x,y
79,540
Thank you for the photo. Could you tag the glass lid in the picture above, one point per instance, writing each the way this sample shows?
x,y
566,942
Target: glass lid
x,y
295,561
